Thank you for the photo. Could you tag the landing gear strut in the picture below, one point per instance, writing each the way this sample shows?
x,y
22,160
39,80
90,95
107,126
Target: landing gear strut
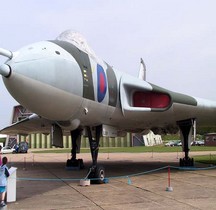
x,y
96,173
186,133
73,162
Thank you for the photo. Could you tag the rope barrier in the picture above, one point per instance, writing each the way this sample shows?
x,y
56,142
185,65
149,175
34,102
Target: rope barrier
x,y
47,179
193,168
128,177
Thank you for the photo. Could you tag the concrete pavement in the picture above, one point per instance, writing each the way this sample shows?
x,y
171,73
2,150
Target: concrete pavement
x,y
42,183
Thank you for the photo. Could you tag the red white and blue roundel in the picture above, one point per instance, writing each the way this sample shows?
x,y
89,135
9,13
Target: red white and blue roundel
x,y
101,83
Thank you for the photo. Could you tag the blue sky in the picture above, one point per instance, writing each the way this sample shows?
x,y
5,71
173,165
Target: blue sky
x,y
176,39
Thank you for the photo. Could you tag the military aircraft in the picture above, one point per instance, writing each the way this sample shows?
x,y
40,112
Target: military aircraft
x,y
72,91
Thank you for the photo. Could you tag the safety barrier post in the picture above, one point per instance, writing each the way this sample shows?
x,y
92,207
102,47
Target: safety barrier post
x,y
108,154
169,188
24,164
33,160
177,157
129,180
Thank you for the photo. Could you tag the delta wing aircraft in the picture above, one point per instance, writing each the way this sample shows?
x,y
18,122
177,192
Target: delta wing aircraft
x,y
74,92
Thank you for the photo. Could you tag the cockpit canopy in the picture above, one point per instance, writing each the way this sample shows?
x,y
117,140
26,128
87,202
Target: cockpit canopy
x,y
76,39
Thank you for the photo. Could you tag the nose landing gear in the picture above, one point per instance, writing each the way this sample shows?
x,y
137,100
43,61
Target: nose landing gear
x,y
96,172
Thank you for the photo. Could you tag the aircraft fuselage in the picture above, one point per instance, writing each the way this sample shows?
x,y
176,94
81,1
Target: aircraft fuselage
x,y
63,83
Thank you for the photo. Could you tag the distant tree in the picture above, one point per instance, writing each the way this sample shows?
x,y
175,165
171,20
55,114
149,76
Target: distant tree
x,y
203,131
167,130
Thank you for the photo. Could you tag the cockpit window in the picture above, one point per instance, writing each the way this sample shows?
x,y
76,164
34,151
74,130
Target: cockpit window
x,y
76,39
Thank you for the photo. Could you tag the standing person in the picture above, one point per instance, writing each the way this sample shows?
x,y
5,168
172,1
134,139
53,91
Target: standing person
x,y
4,173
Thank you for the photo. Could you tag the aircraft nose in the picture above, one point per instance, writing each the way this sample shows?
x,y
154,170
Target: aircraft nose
x,y
5,70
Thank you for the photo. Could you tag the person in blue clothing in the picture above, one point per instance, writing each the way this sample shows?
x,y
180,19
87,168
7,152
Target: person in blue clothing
x,y
4,173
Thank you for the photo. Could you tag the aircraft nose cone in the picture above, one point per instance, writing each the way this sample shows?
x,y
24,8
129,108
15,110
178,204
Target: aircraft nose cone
x,y
5,70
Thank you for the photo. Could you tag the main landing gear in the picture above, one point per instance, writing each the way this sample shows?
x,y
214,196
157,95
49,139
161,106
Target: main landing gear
x,y
96,173
73,162
186,134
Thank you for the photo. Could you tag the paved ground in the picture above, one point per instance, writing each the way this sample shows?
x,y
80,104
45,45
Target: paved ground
x,y
191,189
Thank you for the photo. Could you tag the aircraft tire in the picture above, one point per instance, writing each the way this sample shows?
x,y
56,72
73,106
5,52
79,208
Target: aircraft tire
x,y
192,162
181,162
81,164
189,162
100,174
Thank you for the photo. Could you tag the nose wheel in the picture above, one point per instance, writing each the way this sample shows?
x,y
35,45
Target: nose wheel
x,y
96,172
97,175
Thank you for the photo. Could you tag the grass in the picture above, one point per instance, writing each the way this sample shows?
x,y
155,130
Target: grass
x,y
206,159
139,149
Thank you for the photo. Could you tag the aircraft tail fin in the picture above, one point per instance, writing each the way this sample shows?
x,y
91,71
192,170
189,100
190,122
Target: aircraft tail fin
x,y
142,71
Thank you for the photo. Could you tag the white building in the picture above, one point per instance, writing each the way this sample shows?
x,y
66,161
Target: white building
x,y
147,140
151,139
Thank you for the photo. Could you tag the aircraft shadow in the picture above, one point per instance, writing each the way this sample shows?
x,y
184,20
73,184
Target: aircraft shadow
x,y
46,177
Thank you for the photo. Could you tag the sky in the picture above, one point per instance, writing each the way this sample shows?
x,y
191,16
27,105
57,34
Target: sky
x,y
175,38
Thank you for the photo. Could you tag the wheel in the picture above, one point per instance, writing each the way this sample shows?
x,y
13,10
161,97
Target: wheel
x,y
81,164
181,162
97,175
191,162
77,163
100,174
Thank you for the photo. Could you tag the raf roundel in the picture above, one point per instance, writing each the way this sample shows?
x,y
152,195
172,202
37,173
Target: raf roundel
x,y
101,83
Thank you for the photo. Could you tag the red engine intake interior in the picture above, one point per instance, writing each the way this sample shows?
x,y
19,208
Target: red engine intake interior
x,y
151,100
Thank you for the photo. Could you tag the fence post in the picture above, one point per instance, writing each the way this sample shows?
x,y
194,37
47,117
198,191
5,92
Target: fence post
x,y
169,188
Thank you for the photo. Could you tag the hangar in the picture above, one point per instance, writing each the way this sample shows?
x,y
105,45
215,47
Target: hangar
x,y
44,140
